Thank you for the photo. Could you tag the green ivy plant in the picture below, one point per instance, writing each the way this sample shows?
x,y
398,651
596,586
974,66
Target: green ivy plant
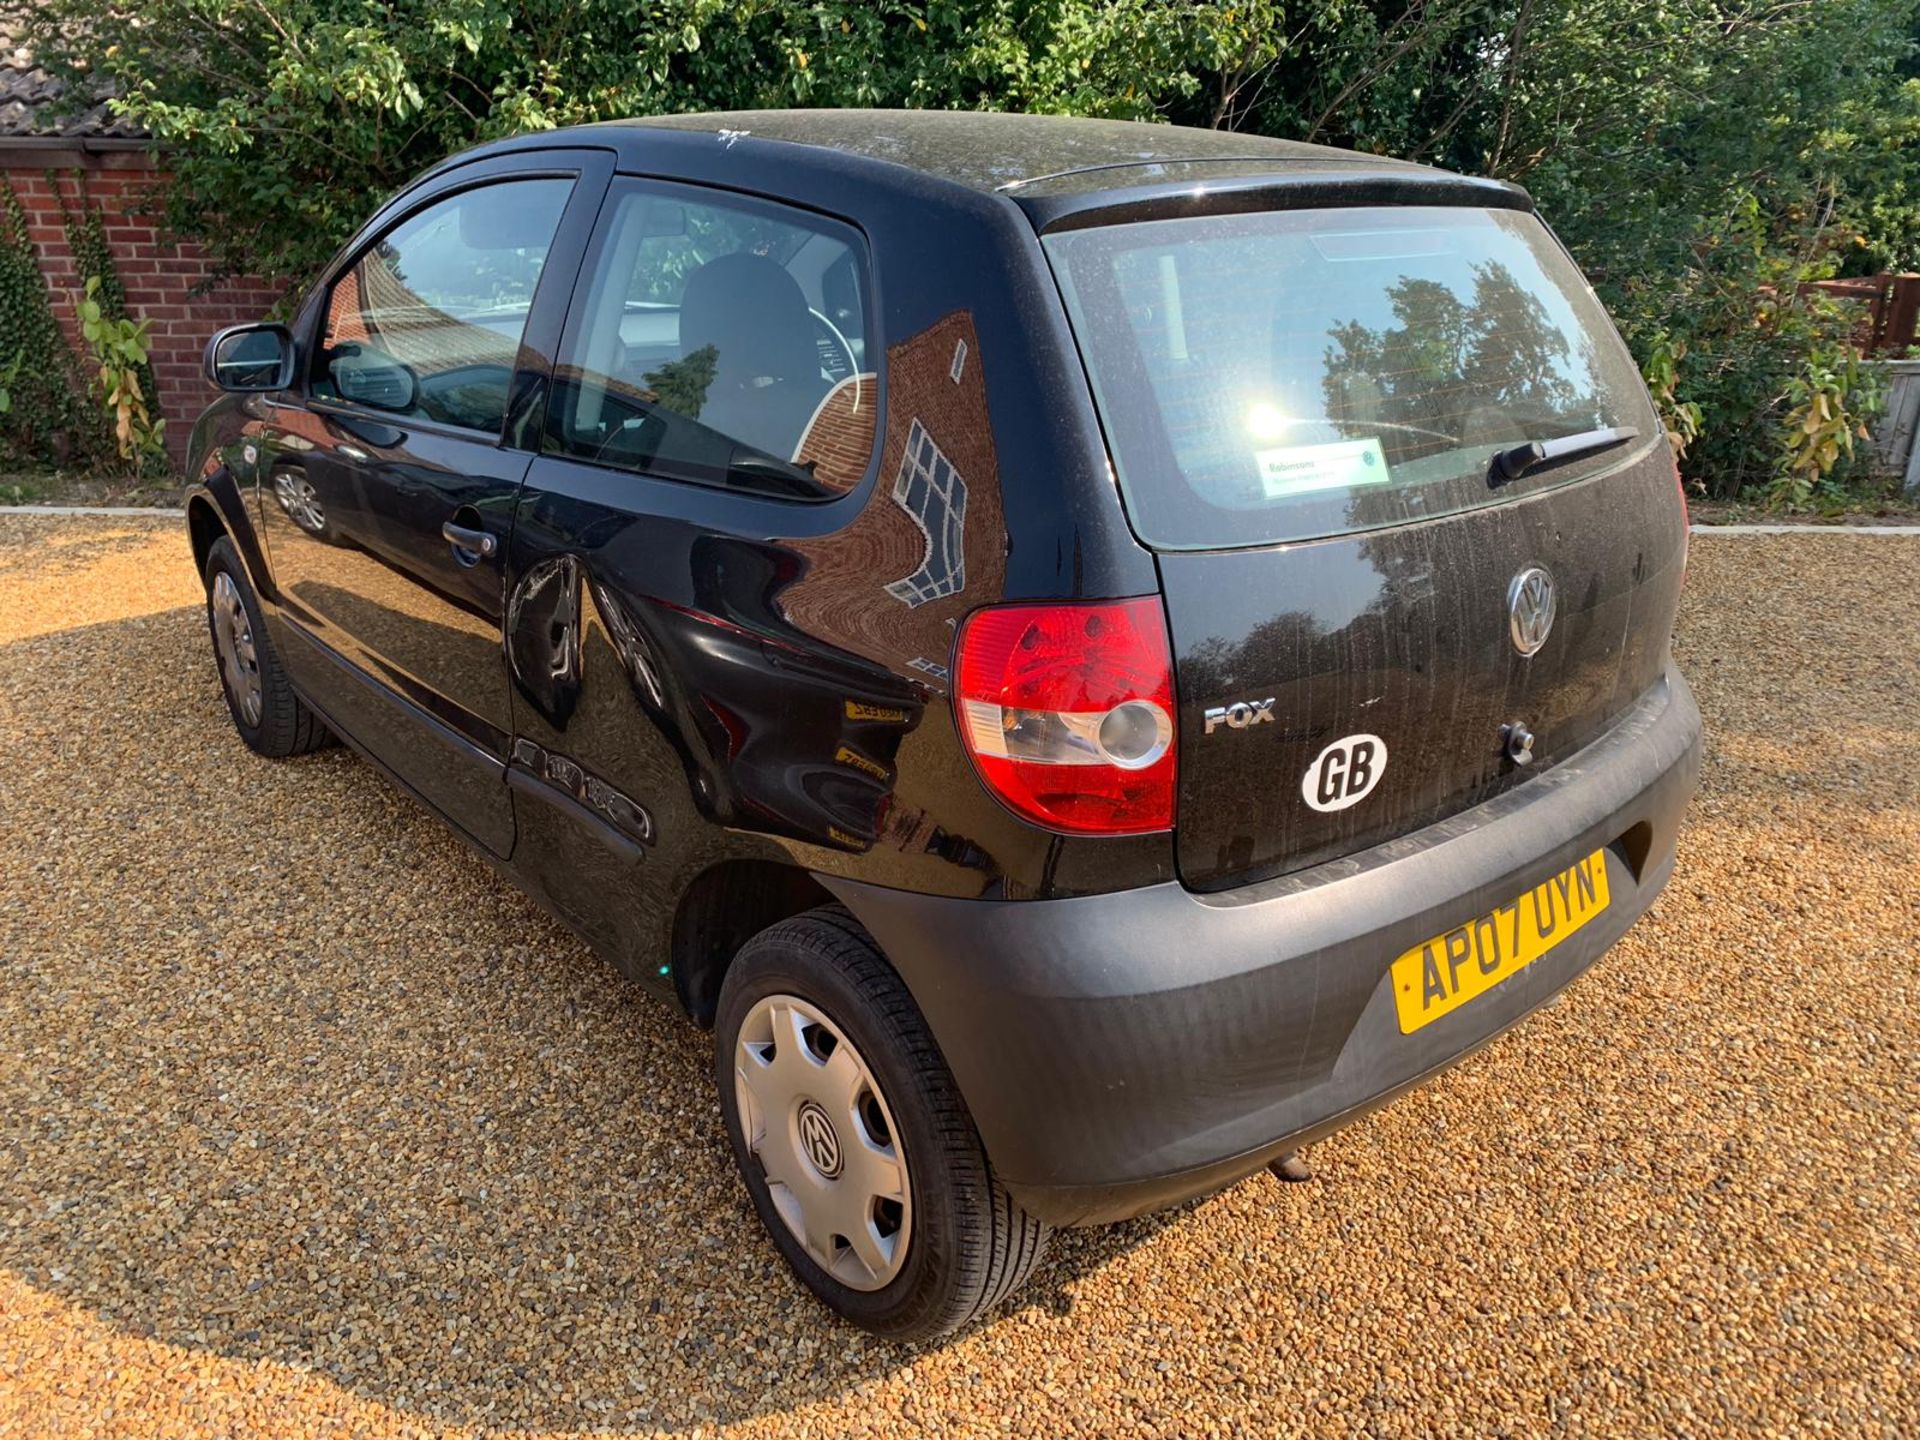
x,y
120,349
44,417
8,372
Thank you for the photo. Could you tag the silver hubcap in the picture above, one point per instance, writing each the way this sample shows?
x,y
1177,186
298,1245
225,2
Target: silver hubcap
x,y
298,500
815,1119
233,638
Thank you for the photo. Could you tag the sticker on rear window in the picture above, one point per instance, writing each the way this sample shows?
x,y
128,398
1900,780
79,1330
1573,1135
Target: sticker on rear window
x,y
1304,469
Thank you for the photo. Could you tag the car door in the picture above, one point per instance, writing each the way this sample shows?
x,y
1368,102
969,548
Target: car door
x,y
717,384
393,474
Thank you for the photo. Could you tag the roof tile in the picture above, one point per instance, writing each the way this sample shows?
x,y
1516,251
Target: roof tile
x,y
32,101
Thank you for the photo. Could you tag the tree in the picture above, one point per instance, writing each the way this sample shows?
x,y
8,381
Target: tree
x,y
1702,158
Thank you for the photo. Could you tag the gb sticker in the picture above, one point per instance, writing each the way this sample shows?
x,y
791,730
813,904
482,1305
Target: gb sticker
x,y
1344,773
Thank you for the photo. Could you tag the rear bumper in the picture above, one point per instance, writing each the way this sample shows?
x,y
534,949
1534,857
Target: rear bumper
x,y
1124,1052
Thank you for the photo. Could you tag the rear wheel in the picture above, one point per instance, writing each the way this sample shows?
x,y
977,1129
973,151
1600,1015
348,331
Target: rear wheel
x,y
855,1145
270,717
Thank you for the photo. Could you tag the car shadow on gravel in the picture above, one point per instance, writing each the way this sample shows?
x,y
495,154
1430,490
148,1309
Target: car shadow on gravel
x,y
287,1076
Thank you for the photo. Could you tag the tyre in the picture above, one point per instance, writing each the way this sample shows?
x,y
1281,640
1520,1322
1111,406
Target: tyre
x,y
272,719
855,1145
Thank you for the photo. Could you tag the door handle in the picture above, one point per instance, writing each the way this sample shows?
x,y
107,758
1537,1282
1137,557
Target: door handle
x,y
473,542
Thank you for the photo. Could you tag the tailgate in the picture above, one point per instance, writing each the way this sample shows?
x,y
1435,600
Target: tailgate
x,y
1360,439
1405,635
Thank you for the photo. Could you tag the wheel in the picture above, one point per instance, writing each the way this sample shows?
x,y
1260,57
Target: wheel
x,y
272,719
852,1137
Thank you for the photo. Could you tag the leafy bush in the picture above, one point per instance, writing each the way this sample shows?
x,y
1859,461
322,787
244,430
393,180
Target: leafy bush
x,y
1701,160
1680,418
86,229
1830,404
120,353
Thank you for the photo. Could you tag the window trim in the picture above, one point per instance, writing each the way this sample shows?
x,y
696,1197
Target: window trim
x,y
821,221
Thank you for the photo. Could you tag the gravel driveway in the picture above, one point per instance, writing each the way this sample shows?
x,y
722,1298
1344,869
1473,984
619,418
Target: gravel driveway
x,y
310,1124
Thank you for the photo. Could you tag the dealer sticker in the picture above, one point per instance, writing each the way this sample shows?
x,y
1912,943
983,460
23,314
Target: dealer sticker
x,y
1307,469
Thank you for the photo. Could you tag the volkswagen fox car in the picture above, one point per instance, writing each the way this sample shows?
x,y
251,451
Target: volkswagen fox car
x,y
1089,655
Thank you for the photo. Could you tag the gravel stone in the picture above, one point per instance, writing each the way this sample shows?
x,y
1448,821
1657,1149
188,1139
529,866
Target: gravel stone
x,y
310,1125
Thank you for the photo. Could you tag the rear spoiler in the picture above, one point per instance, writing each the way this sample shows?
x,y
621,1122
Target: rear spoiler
x,y
1306,188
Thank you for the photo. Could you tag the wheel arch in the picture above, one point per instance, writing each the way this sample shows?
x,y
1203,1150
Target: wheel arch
x,y
204,527
725,906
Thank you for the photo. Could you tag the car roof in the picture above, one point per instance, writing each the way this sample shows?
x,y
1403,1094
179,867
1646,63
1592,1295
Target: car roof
x,y
992,150
1061,172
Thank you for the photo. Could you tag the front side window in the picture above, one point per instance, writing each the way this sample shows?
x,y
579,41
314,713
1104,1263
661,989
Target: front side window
x,y
1292,374
722,342
427,323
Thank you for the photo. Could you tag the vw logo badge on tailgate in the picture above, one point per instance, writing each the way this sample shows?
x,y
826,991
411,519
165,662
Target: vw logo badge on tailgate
x,y
1530,609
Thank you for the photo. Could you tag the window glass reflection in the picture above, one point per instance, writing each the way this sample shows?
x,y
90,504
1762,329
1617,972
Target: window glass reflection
x,y
428,321
722,344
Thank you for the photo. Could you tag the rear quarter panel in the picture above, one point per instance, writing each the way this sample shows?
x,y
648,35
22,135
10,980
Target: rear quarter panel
x,y
758,675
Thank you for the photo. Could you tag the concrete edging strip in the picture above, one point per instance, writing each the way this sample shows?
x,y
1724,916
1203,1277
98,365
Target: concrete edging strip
x,y
121,512
1806,529
153,512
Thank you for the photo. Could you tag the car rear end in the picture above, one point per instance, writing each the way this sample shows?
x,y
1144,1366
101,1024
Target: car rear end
x,y
1404,700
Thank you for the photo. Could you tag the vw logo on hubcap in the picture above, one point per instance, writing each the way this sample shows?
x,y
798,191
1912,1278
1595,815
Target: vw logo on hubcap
x,y
818,1141
1530,609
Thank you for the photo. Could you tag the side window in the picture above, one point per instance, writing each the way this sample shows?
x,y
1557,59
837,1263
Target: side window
x,y
427,322
722,343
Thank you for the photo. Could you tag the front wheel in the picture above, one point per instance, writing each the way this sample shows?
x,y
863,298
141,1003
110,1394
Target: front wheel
x,y
855,1145
270,717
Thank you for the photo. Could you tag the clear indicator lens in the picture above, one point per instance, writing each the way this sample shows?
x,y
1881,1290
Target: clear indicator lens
x,y
1135,734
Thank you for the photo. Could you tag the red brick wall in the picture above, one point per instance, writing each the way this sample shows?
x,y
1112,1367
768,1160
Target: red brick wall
x,y
162,280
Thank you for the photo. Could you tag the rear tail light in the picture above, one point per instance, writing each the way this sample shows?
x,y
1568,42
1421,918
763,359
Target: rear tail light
x,y
1686,518
1067,711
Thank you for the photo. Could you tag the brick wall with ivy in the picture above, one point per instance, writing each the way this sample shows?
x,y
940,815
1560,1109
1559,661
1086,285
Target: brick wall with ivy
x,y
164,283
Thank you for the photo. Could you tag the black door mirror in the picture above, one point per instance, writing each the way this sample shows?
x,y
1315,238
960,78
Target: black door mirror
x,y
250,359
367,376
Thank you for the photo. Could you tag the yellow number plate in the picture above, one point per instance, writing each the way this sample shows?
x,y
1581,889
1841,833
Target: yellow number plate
x,y
1449,970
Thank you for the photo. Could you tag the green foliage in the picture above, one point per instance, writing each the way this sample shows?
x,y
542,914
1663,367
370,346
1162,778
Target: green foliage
x,y
8,373
1702,158
1747,149
1680,418
314,105
120,351
87,239
681,385
42,414
1829,406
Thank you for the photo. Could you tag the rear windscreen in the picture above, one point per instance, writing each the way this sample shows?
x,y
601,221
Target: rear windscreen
x,y
1294,374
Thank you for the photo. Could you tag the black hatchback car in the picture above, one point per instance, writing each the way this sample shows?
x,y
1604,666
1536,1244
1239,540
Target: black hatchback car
x,y
1090,654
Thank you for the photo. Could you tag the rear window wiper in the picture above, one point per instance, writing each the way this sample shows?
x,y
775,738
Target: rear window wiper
x,y
1513,463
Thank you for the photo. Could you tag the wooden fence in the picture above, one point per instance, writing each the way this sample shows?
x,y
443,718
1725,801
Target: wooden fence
x,y
1892,310
1896,431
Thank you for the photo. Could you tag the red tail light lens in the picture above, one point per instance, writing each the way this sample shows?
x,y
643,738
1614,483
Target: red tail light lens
x,y
1686,518
1067,711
